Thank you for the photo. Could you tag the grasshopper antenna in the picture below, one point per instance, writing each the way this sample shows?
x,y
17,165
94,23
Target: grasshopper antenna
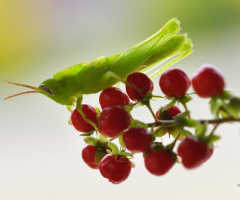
x,y
34,89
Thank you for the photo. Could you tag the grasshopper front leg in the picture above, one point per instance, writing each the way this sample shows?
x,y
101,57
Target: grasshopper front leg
x,y
79,109
71,111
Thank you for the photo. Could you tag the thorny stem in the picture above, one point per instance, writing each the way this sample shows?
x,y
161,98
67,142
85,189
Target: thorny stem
x,y
170,123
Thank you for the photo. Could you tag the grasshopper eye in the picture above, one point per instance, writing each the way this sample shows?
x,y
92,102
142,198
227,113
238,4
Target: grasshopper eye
x,y
47,89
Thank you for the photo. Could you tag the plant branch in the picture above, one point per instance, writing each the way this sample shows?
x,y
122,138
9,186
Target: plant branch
x,y
170,123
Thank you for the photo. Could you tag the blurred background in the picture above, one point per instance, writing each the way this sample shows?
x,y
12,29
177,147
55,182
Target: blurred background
x,y
40,154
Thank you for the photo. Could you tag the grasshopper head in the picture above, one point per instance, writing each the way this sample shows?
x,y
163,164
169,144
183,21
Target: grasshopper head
x,y
54,91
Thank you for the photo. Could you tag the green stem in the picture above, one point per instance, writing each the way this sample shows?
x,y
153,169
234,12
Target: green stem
x,y
185,106
214,128
171,146
147,103
170,123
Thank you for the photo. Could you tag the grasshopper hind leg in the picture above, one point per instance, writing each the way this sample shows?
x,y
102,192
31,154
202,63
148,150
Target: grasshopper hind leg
x,y
109,79
183,51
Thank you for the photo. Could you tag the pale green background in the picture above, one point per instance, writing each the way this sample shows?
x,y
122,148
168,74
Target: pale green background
x,y
40,154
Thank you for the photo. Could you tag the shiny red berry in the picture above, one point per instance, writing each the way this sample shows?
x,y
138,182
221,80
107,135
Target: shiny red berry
x,y
167,114
113,96
159,162
137,139
174,83
79,123
115,168
113,121
140,81
208,82
92,156
193,152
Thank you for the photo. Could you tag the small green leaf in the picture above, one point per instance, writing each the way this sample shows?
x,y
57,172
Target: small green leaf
x,y
87,134
184,132
129,107
191,122
232,111
126,154
201,130
133,123
181,115
102,144
108,151
214,106
223,111
174,132
148,96
181,121
98,156
185,99
92,141
114,148
233,107
211,139
235,103
156,96
102,137
225,95
141,124
136,123
160,131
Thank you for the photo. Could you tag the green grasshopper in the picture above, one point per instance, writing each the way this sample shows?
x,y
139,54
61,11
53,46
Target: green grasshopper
x,y
68,86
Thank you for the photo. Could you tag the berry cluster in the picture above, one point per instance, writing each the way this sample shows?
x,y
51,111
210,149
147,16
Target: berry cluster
x,y
115,122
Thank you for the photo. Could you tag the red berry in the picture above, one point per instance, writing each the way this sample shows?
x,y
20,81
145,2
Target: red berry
x,y
92,156
210,153
113,96
159,162
142,82
167,114
208,82
174,83
137,139
193,152
115,168
113,121
79,123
